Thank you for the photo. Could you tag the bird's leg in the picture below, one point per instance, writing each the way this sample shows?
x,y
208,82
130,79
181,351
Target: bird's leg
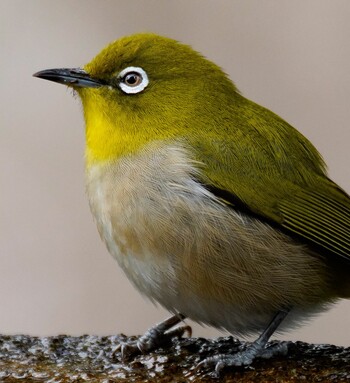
x,y
157,336
257,349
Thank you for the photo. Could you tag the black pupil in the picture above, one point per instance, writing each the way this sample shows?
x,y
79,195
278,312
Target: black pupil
x,y
131,78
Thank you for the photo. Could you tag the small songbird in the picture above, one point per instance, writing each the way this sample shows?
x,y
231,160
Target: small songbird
x,y
214,207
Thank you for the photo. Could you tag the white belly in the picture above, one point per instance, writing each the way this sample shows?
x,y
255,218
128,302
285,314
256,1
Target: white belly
x,y
183,248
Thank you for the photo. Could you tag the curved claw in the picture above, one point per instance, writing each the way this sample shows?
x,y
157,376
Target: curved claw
x,y
243,358
128,349
157,336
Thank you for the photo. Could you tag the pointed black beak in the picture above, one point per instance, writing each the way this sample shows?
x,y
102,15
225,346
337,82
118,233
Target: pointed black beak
x,y
76,77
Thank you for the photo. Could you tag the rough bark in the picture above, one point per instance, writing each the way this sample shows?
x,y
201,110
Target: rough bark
x,y
97,359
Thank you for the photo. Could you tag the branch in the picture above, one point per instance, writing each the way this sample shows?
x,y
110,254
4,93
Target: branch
x,y
97,359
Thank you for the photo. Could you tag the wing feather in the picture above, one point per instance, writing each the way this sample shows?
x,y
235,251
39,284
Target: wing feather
x,y
323,219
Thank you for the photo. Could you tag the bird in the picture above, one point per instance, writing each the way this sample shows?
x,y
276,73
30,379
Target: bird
x,y
214,207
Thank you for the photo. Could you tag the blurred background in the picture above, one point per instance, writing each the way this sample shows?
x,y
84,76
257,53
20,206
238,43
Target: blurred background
x,y
56,275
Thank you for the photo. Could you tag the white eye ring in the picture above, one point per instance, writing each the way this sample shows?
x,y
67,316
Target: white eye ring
x,y
132,89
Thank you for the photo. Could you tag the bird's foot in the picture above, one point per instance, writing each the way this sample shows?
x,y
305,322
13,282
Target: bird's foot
x,y
157,336
245,357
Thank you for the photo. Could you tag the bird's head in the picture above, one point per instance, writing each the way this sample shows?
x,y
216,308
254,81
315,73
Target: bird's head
x,y
145,88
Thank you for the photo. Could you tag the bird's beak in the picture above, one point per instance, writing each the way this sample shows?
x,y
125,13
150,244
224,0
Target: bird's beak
x,y
76,77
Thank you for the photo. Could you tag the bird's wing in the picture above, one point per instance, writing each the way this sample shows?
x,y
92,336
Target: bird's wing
x,y
319,216
256,161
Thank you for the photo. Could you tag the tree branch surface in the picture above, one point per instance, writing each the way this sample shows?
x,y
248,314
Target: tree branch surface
x,y
97,359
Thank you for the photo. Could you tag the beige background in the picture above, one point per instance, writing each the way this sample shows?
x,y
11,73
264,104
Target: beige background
x,y
56,275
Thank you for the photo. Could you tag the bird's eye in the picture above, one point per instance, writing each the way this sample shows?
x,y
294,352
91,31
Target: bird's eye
x,y
133,80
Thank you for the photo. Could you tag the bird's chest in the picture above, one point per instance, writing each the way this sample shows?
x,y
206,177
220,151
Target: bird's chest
x,y
139,204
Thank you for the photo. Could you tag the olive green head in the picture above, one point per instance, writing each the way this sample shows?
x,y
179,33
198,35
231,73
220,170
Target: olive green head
x,y
143,88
